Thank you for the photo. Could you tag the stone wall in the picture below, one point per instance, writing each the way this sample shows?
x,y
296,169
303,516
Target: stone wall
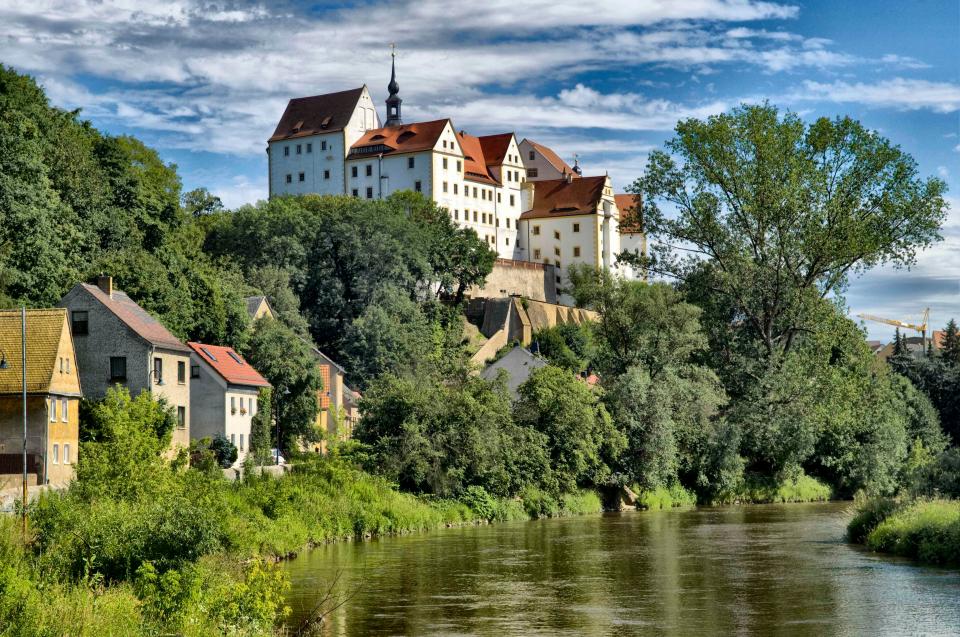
x,y
535,281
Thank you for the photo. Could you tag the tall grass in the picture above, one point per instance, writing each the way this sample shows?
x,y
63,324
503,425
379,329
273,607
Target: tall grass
x,y
764,490
924,530
664,498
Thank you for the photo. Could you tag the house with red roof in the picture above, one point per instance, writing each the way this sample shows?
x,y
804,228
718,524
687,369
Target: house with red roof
x,y
224,396
117,342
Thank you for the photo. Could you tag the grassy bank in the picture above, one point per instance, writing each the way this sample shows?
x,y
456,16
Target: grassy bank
x,y
763,490
664,498
194,554
924,530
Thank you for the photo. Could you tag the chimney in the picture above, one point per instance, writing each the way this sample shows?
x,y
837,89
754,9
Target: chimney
x,y
105,283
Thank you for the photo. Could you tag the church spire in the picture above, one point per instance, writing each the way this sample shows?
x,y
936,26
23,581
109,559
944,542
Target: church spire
x,y
393,102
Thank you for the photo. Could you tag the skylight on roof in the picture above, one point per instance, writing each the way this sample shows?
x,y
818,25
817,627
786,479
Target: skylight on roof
x,y
235,357
209,355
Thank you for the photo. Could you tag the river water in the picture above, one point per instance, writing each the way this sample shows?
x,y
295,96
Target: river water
x,y
749,570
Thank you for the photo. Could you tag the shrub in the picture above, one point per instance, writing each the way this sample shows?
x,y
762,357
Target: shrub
x,y
868,516
928,531
665,498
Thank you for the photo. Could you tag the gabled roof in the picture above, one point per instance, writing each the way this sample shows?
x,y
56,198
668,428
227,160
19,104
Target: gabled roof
x,y
136,318
474,163
254,303
552,158
324,357
326,113
45,328
631,219
230,365
560,198
391,140
495,148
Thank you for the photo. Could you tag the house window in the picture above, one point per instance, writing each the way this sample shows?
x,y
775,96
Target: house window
x,y
576,227
556,235
181,417
532,172
369,170
181,372
194,371
444,163
536,230
536,254
454,188
353,171
299,149
242,405
53,409
309,148
557,263
158,370
355,192
253,406
532,155
418,186
506,240
286,151
118,368
474,216
80,322
369,192
64,410
56,454
289,178
302,177
233,439
511,200
444,186
556,251
233,404
474,192
241,443
66,454
458,165
498,197
326,174
508,222
323,145
411,163
456,214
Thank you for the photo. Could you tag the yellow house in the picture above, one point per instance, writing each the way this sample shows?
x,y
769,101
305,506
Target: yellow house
x,y
53,398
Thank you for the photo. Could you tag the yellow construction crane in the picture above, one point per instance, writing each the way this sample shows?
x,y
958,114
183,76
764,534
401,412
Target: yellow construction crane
x,y
917,327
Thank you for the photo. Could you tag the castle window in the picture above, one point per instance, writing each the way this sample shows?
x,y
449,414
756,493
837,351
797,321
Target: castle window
x,y
444,163
309,148
511,200
353,171
289,178
557,263
286,151
369,170
506,240
536,253
474,192
498,197
576,251
369,192
456,214
410,162
556,235
536,230
355,192
299,149
326,174
508,222
474,216
556,252
302,177
454,188
444,186
418,186
323,145
532,172
576,227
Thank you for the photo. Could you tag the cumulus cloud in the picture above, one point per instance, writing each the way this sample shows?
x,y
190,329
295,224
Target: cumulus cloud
x,y
901,93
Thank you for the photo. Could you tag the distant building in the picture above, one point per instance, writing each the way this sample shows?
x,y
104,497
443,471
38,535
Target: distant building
x,y
119,343
519,363
541,163
53,398
223,397
331,400
259,307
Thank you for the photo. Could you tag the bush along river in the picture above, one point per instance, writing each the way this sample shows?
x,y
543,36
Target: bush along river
x,y
756,569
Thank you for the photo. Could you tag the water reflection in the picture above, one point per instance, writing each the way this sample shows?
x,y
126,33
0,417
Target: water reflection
x,y
771,570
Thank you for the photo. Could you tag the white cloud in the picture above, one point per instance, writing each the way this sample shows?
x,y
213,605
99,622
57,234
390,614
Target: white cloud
x,y
943,172
901,93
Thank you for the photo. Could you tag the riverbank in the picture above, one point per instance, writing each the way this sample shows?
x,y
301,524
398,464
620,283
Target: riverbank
x,y
924,530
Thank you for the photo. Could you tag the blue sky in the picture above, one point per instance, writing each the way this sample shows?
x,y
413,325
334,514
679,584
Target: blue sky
x,y
205,82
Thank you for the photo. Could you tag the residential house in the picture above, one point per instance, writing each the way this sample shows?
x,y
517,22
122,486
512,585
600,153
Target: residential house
x,y
330,400
223,396
53,397
259,307
518,364
119,343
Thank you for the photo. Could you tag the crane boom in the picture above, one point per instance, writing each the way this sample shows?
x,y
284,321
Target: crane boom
x,y
917,327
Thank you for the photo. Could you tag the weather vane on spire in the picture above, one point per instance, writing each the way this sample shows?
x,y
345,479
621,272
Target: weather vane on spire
x,y
393,102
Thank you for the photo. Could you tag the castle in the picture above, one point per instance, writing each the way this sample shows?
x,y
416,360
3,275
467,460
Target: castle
x,y
519,196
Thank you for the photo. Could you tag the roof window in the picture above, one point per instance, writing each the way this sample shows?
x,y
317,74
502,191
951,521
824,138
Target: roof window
x,y
325,122
234,356
209,355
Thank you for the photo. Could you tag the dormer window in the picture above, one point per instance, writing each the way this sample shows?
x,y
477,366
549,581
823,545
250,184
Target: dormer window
x,y
325,122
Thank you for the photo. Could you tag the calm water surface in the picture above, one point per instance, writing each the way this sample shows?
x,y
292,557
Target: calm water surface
x,y
752,570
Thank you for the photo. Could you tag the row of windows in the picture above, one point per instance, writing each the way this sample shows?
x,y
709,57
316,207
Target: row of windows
x,y
556,233
303,176
56,454
58,407
443,162
556,252
286,149
64,365
244,404
233,441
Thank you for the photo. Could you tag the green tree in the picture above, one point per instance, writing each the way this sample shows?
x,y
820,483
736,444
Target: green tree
x,y
582,441
261,427
950,346
285,360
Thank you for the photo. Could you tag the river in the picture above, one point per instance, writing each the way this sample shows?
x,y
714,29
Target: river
x,y
749,570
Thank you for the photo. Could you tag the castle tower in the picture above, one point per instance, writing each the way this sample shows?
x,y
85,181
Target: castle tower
x,y
393,102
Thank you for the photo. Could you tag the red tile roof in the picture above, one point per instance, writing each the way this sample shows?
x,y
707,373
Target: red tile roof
x,y
317,114
474,164
136,318
235,371
552,158
631,218
407,138
495,148
560,198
